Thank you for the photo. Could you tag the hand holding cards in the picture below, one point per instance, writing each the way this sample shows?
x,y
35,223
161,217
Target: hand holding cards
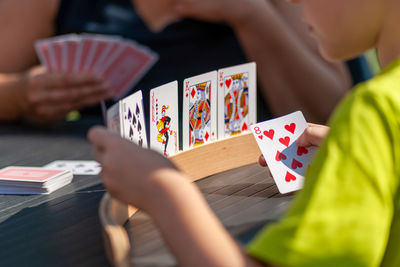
x,y
286,160
120,62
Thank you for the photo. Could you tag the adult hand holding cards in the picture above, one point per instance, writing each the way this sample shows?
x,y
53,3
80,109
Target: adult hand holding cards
x,y
286,160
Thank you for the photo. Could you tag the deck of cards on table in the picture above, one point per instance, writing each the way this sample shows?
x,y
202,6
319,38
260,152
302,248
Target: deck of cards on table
x,y
32,180
286,160
119,61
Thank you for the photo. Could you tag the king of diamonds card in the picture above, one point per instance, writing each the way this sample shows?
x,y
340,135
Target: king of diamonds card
x,y
164,134
236,99
199,110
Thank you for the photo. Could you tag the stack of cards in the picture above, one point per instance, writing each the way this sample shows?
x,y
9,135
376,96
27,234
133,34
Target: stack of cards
x,y
121,62
286,160
32,180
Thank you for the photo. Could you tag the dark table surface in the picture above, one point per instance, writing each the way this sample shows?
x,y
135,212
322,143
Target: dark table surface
x,y
245,199
63,228
60,229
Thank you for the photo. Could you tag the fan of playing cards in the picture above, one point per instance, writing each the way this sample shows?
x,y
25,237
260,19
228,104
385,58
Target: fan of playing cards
x,y
121,62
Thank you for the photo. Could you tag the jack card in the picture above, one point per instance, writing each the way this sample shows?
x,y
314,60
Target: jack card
x,y
237,105
164,116
199,110
286,160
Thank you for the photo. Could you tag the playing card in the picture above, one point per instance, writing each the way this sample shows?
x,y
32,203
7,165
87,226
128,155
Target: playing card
x,y
127,67
199,110
156,14
164,126
131,115
28,174
85,52
237,90
113,118
57,48
43,51
77,167
70,55
102,50
286,160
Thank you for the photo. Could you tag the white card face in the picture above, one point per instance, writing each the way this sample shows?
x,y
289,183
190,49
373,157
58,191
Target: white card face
x,y
77,167
164,119
237,105
199,123
286,160
132,119
113,119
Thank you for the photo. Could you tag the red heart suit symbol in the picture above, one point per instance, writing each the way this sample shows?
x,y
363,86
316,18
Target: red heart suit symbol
x,y
228,82
290,177
280,156
285,141
290,127
301,150
296,164
269,134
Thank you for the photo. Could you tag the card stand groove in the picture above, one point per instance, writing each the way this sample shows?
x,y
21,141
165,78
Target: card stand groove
x,y
218,156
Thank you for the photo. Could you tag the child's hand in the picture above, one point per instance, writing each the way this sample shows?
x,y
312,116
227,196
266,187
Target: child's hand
x,y
129,172
314,135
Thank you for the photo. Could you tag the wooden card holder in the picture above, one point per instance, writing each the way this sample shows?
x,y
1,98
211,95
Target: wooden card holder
x,y
197,163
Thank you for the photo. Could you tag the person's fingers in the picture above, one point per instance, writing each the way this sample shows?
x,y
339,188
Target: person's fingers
x,y
63,80
98,136
261,161
67,94
314,135
98,154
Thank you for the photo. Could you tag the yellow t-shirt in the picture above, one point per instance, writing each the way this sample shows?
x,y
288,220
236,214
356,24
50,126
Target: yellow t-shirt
x,y
348,213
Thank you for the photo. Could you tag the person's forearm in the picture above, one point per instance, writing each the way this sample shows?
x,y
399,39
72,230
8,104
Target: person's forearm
x,y
11,107
190,228
293,76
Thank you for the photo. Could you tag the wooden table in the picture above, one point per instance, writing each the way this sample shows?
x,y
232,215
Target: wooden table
x,y
63,229
244,199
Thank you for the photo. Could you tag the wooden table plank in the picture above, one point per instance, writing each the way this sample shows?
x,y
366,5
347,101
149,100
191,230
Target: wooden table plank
x,y
244,199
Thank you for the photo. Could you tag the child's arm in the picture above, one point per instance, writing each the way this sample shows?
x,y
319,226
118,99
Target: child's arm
x,y
150,182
